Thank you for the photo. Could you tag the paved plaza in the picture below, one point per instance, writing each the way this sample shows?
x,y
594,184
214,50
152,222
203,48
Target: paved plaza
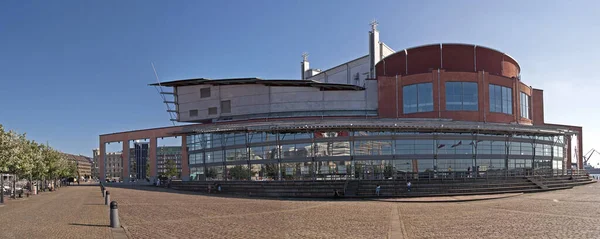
x,y
161,213
69,212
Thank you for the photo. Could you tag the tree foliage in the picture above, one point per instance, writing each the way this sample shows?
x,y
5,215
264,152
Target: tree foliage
x,y
239,172
171,169
28,159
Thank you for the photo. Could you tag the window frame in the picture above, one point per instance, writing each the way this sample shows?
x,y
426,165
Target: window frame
x,y
500,99
216,111
525,103
225,110
203,93
461,94
419,107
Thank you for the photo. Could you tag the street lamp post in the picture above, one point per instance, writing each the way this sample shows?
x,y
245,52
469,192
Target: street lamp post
x,y
1,189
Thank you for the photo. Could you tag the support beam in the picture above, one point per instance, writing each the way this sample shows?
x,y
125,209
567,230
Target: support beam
x,y
185,165
125,160
101,160
152,158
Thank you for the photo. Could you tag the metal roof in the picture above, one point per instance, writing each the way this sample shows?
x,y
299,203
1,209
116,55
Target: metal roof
x,y
242,81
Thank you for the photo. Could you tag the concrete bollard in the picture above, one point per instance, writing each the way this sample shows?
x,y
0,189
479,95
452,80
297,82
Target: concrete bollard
x,y
107,198
103,193
114,215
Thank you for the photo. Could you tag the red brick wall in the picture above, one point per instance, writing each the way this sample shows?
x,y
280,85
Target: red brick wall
x,y
537,106
423,59
394,65
386,94
388,89
456,57
450,57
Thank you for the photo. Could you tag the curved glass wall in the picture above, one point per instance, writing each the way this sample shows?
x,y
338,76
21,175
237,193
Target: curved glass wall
x,y
365,154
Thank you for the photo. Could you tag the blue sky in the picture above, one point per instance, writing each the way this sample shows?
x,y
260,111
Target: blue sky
x,y
71,70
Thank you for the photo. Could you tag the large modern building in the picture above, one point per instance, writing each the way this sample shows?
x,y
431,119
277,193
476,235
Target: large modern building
x,y
429,108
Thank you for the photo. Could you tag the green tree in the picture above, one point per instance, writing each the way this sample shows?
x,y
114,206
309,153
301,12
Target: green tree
x,y
271,170
211,173
147,169
171,169
388,171
239,172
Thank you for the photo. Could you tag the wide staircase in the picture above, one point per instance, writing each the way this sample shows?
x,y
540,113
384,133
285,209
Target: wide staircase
x,y
311,189
389,188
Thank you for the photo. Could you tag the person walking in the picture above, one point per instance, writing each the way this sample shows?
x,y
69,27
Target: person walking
x,y
408,184
377,190
469,172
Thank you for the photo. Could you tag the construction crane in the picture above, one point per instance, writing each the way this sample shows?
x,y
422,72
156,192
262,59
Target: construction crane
x,y
588,155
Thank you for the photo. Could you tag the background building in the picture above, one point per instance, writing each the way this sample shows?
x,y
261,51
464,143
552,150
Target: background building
x,y
112,167
166,153
432,108
96,154
84,165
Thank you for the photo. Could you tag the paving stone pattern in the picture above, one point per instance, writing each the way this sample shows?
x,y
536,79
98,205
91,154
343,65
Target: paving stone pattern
x,y
78,212
162,213
70,212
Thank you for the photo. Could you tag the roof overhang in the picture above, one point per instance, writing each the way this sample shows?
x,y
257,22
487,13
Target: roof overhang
x,y
421,125
247,81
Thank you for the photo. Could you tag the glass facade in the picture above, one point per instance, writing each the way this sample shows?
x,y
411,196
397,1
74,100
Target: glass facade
x,y
417,98
525,100
364,154
500,99
461,96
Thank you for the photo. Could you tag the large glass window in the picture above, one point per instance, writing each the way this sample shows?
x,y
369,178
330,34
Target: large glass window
x,y
525,99
373,147
296,150
461,96
417,98
500,99
414,147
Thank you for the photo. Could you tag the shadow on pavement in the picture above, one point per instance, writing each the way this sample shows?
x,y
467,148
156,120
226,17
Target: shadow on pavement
x,y
87,225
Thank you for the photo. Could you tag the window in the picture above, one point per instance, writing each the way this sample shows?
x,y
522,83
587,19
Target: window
x,y
461,96
193,113
417,98
205,92
225,106
525,99
212,110
500,99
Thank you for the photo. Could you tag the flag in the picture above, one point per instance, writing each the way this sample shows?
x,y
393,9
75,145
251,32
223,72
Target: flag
x,y
457,144
472,143
441,146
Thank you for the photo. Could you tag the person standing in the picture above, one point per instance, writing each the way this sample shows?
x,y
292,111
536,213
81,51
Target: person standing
x,y
408,184
377,189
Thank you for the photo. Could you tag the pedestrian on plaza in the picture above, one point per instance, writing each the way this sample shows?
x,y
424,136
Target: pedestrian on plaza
x,y
377,189
469,172
219,188
408,184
